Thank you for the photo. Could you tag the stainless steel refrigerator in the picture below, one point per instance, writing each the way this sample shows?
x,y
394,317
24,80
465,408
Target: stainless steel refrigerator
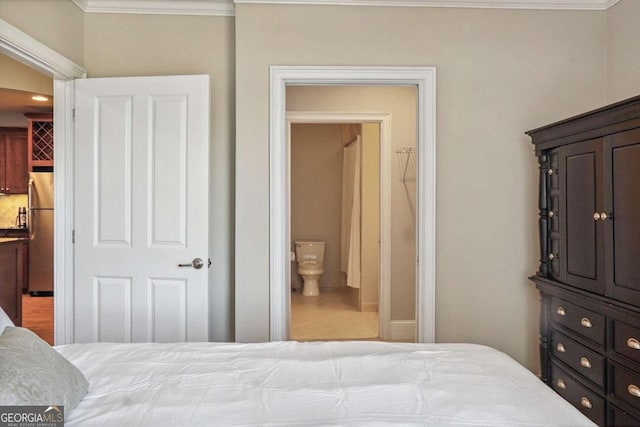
x,y
40,222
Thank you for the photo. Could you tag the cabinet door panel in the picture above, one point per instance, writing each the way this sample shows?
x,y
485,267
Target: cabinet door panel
x,y
11,281
582,179
17,175
623,226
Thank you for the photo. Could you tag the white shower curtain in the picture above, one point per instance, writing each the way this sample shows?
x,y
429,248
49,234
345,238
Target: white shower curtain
x,y
350,229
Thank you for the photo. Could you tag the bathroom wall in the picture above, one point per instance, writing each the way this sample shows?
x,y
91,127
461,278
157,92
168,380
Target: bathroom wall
x,y
316,193
401,103
370,217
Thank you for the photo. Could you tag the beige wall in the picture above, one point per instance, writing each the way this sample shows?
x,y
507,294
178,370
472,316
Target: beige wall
x,y
370,216
623,56
500,72
316,193
138,45
17,76
401,103
57,23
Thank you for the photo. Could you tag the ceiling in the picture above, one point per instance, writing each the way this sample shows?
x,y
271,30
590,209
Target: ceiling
x,y
16,101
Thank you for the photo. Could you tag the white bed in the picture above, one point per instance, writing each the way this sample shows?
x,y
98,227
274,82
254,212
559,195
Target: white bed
x,y
317,383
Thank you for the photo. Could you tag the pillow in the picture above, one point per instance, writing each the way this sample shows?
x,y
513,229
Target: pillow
x,y
4,321
33,373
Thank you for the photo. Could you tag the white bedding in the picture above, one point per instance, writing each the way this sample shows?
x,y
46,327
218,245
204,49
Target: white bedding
x,y
316,383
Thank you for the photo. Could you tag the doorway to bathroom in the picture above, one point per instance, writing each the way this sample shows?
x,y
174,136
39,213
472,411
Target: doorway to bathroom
x,y
377,280
335,229
283,79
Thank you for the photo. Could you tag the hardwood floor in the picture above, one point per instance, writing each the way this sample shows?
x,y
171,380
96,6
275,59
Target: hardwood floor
x,y
37,315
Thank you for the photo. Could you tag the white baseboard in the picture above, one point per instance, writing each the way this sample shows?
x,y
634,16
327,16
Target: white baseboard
x,y
403,330
369,306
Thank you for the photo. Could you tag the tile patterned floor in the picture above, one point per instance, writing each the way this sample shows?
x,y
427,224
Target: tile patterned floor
x,y
330,316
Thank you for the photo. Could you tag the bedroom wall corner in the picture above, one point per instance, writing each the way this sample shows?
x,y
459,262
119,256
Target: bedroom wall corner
x,y
623,57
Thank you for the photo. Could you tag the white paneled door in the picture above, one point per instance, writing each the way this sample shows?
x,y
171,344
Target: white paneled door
x,y
141,209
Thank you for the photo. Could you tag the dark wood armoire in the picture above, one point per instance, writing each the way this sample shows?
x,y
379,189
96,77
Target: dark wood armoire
x,y
589,272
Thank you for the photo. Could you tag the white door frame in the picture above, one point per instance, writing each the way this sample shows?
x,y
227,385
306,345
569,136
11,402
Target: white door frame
x,y
31,52
279,246
384,271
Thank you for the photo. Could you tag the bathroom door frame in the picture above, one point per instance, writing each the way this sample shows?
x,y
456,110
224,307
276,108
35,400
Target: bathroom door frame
x,y
424,79
384,176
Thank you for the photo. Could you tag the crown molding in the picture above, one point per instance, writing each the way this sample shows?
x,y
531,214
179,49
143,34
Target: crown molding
x,y
227,7
490,4
159,7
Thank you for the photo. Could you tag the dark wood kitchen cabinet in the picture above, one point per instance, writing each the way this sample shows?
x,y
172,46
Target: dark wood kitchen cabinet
x,y
13,270
589,272
14,173
40,137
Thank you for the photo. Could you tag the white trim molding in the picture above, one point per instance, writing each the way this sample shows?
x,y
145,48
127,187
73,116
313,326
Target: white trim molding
x,y
38,56
24,48
227,7
485,4
424,79
384,120
402,330
159,7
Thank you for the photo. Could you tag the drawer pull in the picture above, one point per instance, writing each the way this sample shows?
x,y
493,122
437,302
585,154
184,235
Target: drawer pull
x,y
633,343
551,214
584,362
560,383
560,311
633,390
586,322
586,403
560,347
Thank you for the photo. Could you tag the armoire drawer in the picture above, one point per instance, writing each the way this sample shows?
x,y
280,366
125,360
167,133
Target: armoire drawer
x,y
582,360
591,404
580,320
626,340
620,418
625,384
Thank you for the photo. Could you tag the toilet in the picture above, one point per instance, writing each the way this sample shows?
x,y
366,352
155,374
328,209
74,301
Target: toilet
x,y
310,256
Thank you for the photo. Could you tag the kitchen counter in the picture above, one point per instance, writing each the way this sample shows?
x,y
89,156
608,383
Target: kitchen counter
x,y
13,275
11,239
14,232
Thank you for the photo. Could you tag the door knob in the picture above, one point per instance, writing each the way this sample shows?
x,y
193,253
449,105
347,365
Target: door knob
x,y
197,263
